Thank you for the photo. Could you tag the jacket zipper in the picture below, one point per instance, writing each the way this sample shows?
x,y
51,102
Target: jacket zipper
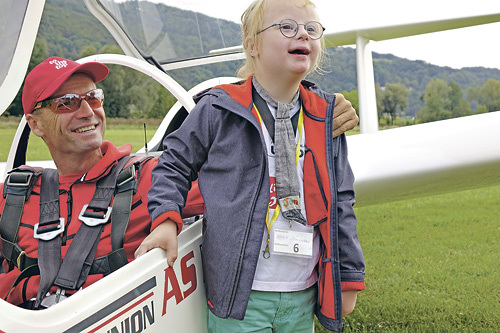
x,y
242,251
333,213
69,205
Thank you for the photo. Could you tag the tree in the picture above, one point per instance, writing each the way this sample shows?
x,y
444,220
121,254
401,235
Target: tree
x,y
163,104
489,95
124,91
436,99
379,93
91,50
40,53
393,98
458,106
444,101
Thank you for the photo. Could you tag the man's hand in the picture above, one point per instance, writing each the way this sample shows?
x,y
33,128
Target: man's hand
x,y
344,115
163,236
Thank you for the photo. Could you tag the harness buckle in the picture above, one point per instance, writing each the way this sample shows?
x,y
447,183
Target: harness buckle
x,y
19,179
49,232
20,259
92,219
55,298
129,173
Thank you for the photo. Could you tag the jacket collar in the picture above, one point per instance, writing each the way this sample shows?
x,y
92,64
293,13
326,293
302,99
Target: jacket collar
x,y
111,155
233,96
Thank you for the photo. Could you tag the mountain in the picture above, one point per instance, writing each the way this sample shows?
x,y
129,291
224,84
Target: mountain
x,y
68,28
388,68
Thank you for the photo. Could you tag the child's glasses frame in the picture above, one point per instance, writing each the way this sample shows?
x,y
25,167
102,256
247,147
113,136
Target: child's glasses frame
x,y
289,28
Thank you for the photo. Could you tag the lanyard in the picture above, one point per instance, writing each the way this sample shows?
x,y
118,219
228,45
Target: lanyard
x,y
266,254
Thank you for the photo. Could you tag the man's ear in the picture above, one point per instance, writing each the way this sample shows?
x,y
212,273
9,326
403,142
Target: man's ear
x,y
35,123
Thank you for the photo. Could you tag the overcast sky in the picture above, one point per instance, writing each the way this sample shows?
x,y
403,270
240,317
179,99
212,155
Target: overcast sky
x,y
466,47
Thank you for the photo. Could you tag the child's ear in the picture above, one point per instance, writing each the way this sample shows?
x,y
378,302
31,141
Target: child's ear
x,y
251,47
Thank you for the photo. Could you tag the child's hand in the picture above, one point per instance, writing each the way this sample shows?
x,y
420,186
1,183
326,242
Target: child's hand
x,y
163,236
344,115
348,301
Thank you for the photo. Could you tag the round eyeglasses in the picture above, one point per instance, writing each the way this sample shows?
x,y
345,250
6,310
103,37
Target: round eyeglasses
x,y
289,28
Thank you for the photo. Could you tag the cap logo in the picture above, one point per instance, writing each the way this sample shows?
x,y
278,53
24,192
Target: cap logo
x,y
59,63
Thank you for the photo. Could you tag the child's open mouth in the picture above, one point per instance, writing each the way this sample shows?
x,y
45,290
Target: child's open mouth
x,y
299,51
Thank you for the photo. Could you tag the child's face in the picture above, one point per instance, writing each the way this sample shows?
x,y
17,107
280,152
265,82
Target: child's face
x,y
282,57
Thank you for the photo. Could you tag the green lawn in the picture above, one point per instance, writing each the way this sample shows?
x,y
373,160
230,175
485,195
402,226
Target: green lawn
x,y
432,264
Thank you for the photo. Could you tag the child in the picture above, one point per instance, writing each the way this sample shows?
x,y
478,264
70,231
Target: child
x,y
280,240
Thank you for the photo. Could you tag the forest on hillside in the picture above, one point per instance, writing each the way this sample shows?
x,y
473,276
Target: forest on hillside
x,y
405,89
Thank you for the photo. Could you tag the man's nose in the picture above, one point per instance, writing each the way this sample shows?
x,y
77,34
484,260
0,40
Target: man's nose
x,y
84,110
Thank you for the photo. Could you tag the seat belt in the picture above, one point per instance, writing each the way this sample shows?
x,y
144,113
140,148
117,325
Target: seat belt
x,y
122,207
48,231
21,181
17,189
74,269
127,183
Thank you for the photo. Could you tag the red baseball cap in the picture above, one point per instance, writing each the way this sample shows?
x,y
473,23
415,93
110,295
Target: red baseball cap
x,y
50,74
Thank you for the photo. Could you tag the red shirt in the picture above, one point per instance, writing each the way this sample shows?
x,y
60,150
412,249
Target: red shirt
x,y
73,195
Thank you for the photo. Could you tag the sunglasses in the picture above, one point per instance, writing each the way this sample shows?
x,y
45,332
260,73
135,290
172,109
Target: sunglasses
x,y
71,102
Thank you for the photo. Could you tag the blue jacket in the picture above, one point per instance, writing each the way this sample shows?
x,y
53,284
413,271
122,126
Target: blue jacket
x,y
221,143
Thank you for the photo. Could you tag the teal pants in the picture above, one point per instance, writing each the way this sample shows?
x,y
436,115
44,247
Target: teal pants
x,y
277,312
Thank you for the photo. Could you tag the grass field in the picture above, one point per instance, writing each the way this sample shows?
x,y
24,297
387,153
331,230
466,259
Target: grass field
x,y
432,264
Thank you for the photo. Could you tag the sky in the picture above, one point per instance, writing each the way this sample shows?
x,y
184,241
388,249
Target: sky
x,y
465,47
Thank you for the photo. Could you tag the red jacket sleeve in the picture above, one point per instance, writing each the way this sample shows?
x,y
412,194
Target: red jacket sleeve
x,y
194,204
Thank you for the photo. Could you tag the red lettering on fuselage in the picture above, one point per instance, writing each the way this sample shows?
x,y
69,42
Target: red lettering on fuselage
x,y
188,274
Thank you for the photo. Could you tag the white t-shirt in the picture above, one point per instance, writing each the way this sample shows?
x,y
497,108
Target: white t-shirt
x,y
283,272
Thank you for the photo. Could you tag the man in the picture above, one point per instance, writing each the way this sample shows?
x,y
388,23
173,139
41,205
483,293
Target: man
x,y
63,106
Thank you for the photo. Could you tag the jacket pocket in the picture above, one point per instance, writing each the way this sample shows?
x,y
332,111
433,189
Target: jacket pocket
x,y
315,197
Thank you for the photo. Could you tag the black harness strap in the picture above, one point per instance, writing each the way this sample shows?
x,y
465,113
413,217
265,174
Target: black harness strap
x,y
17,189
26,273
48,230
121,216
78,260
121,181
127,183
76,264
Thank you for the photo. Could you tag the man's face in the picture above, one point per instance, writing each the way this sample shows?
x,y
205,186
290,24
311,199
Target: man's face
x,y
71,133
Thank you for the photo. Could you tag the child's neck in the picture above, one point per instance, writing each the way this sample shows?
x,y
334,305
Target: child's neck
x,y
281,90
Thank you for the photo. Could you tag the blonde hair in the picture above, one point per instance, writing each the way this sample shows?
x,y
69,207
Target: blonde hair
x,y
251,23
